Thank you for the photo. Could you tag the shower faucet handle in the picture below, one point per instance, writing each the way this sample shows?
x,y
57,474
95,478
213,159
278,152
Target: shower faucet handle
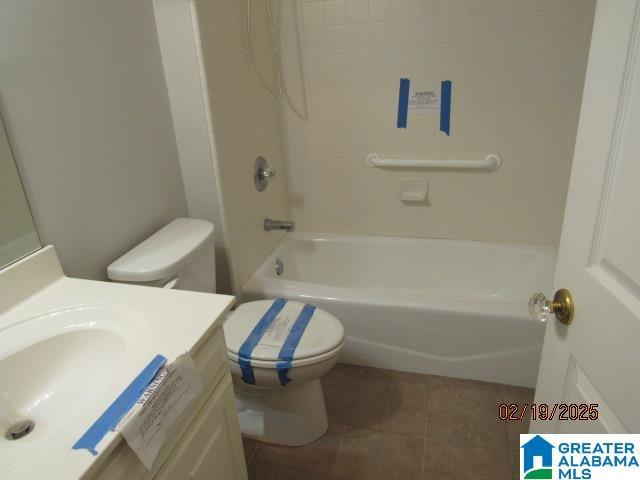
x,y
262,173
268,173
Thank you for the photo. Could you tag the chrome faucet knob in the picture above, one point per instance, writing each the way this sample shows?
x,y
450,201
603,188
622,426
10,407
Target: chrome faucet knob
x,y
268,173
262,173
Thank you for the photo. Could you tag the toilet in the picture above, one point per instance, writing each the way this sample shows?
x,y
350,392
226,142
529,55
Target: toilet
x,y
277,349
280,401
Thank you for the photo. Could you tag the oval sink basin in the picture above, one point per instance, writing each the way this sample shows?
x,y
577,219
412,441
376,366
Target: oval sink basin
x,y
56,366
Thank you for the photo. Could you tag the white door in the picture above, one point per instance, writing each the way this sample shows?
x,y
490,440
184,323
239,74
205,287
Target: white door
x,y
596,359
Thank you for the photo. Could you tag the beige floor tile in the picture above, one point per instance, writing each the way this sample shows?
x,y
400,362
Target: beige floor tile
x,y
264,470
370,373
374,455
515,462
470,430
509,390
517,427
450,460
318,456
365,476
461,383
399,407
340,386
378,420
464,401
250,447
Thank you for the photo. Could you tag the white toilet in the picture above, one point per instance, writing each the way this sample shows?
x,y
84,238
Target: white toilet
x,y
277,349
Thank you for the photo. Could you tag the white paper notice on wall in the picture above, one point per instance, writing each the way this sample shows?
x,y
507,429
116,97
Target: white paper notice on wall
x,y
172,390
424,101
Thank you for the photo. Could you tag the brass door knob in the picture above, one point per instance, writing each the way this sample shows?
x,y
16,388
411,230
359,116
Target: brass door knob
x,y
541,308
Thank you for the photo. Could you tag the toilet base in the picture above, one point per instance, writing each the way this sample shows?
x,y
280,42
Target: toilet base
x,y
294,415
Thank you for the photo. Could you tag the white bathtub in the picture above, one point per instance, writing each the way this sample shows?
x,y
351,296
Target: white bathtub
x,y
441,307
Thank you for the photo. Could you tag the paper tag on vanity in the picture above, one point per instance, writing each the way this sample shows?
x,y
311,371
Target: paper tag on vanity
x,y
172,390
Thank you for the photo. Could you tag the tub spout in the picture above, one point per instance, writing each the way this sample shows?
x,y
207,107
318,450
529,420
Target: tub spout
x,y
279,225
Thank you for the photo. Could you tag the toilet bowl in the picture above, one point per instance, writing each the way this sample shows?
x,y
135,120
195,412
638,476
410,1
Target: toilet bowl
x,y
276,360
279,401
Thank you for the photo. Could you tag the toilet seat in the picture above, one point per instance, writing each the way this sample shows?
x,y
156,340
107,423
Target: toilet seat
x,y
269,364
322,339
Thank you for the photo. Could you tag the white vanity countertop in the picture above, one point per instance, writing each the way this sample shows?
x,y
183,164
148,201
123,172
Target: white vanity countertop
x,y
111,332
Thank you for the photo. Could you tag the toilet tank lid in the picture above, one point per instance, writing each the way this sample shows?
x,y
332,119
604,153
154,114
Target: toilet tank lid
x,y
165,253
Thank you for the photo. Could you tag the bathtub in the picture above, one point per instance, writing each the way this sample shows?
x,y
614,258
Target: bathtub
x,y
442,307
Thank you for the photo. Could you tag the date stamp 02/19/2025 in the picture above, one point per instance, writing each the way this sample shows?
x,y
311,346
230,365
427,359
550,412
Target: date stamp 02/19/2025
x,y
544,411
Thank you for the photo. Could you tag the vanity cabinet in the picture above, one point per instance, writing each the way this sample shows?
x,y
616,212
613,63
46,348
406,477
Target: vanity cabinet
x,y
207,449
205,443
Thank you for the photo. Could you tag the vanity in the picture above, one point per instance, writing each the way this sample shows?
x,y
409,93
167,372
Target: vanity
x,y
69,347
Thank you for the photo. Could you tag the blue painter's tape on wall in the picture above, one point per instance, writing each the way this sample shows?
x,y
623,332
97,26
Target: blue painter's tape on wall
x,y
403,102
445,106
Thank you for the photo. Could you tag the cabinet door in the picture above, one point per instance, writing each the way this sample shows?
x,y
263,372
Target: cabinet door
x,y
212,447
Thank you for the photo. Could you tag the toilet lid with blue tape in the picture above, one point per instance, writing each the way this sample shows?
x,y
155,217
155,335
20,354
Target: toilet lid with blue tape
x,y
273,323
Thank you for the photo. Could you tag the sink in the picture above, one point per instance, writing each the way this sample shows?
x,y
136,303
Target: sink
x,y
56,366
69,347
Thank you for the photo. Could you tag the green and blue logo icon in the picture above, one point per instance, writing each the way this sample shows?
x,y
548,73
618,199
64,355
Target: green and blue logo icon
x,y
537,447
580,456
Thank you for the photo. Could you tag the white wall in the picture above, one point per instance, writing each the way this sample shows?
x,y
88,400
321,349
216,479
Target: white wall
x,y
178,36
85,102
245,123
517,68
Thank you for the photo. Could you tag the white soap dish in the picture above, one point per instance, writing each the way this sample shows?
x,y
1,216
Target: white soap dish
x,y
412,190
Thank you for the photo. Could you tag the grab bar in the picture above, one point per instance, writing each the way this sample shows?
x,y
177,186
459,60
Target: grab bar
x,y
490,162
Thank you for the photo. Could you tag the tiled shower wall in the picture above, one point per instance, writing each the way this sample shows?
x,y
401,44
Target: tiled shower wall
x,y
517,68
244,124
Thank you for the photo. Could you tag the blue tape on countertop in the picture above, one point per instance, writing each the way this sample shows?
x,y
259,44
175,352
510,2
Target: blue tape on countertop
x,y
118,409
445,106
403,103
246,349
291,343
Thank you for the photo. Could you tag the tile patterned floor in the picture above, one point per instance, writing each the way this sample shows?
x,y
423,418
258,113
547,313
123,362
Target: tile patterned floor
x,y
387,425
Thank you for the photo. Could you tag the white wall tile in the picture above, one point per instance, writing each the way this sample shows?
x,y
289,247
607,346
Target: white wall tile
x,y
517,69
380,34
358,60
427,31
358,35
335,12
403,9
357,11
379,10
245,119
403,33
313,13
428,9
312,38
336,61
335,37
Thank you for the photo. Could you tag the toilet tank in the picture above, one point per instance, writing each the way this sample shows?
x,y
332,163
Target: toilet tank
x,y
180,255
